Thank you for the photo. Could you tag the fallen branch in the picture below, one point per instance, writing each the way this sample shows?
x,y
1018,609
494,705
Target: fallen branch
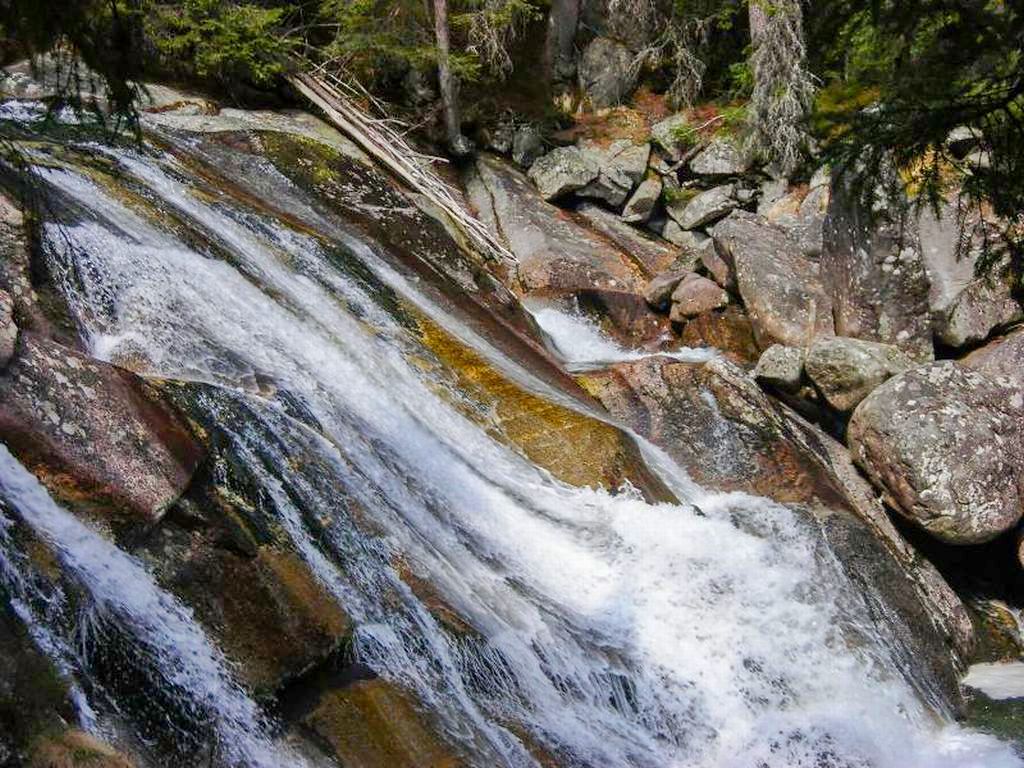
x,y
378,139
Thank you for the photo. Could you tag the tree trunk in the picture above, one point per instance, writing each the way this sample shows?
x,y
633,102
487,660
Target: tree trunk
x,y
563,20
457,143
758,21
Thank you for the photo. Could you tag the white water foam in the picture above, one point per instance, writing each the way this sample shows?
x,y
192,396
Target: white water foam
x,y
123,592
581,344
614,631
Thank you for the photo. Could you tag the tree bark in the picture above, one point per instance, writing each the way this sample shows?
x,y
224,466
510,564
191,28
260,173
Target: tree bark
x,y
458,143
563,20
758,21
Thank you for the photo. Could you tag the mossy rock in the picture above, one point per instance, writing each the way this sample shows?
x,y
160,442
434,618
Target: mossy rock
x,y
374,724
577,449
1003,718
75,749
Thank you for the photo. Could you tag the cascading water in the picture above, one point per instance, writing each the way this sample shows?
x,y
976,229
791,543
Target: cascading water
x,y
608,630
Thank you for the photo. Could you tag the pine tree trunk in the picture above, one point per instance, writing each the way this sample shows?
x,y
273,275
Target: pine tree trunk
x,y
758,21
563,19
458,143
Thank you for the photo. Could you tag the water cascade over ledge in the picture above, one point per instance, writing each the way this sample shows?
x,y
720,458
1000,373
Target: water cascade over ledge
x,y
593,626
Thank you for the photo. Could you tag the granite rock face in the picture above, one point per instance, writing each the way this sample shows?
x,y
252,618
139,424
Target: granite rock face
x,y
606,72
781,289
874,273
563,170
846,370
945,446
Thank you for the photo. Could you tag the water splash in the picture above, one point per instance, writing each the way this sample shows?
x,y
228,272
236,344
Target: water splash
x,y
163,632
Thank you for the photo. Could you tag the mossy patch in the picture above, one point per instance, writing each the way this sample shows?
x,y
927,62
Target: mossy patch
x,y
1003,718
76,749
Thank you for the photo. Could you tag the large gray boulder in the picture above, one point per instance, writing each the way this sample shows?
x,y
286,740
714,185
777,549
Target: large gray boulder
x,y
781,289
720,158
704,208
985,305
966,308
873,271
564,170
945,446
555,252
781,366
606,72
622,165
846,370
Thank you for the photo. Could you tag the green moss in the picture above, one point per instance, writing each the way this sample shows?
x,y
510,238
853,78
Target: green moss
x,y
1001,718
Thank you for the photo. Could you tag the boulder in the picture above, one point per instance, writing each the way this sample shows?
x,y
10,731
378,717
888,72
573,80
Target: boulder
x,y
658,292
696,295
781,289
781,366
984,306
720,158
966,308
553,251
8,329
643,201
874,274
714,264
945,446
623,164
652,255
704,208
94,434
527,146
846,370
727,330
563,170
687,239
606,72
672,135
1002,357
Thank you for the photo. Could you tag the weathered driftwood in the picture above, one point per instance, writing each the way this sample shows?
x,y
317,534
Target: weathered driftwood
x,y
385,145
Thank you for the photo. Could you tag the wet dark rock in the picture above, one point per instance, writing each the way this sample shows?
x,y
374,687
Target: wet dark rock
x,y
727,330
945,447
782,290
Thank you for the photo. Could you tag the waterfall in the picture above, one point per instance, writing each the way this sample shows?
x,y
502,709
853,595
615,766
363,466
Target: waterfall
x,y
609,630
161,631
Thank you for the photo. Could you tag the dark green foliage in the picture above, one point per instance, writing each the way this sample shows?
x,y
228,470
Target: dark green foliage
x,y
928,67
225,41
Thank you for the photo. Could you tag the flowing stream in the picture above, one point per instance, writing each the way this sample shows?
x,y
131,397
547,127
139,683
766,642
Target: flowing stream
x,y
602,628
